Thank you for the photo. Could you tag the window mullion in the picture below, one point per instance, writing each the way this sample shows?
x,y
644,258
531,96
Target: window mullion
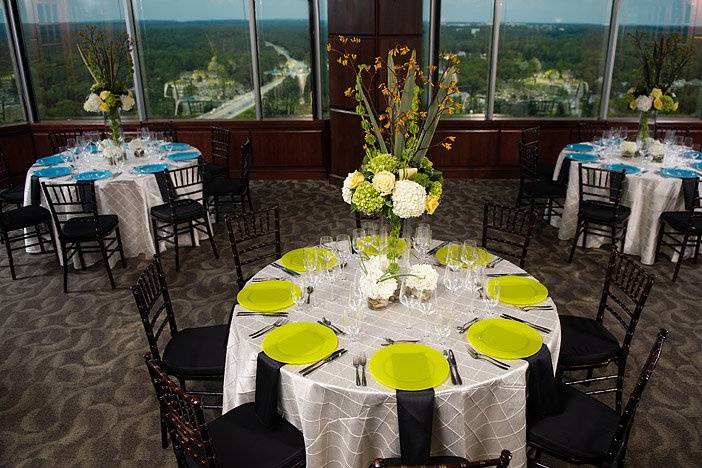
x,y
494,46
316,33
136,59
253,40
23,78
609,62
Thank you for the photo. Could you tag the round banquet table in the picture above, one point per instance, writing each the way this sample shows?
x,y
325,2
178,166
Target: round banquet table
x,y
647,193
128,195
348,426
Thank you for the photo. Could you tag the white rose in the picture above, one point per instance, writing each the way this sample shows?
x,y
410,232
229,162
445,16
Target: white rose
x,y
643,103
384,182
408,199
346,194
422,277
92,103
628,147
127,102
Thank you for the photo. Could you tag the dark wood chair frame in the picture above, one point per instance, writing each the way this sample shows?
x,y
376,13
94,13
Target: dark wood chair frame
x,y
154,304
221,141
58,140
531,135
626,289
79,199
176,185
617,449
606,187
6,179
500,462
254,238
39,233
529,175
507,227
587,131
244,198
168,128
690,238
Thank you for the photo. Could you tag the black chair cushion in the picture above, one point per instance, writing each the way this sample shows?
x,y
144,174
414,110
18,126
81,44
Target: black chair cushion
x,y
86,227
585,341
215,170
545,189
23,217
197,351
13,194
597,211
678,220
240,440
582,431
185,210
445,460
224,186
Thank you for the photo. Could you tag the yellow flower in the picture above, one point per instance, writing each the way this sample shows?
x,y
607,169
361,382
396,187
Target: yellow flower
x,y
657,103
348,92
104,107
632,104
356,179
104,95
675,106
384,182
656,93
329,47
431,204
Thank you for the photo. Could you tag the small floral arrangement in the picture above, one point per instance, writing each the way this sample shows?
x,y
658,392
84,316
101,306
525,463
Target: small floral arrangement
x,y
628,147
661,62
655,149
376,284
113,153
137,147
396,179
110,65
422,278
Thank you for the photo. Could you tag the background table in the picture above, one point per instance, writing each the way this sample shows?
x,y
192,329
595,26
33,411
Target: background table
x,y
647,193
127,195
346,425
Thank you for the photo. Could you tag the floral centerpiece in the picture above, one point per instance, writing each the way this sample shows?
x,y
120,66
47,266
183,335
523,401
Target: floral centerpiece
x,y
661,62
396,179
110,66
422,281
376,284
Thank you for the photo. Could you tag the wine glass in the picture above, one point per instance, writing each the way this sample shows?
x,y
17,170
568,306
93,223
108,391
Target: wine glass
x,y
491,293
454,277
422,238
344,250
359,237
443,322
469,253
297,292
408,300
312,265
352,320
426,304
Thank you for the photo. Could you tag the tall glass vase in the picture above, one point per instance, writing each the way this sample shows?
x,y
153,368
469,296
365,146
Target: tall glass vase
x,y
113,121
646,121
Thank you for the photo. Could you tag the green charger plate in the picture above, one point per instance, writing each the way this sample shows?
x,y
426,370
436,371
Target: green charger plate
x,y
409,366
367,247
267,296
300,343
504,339
295,259
484,257
518,290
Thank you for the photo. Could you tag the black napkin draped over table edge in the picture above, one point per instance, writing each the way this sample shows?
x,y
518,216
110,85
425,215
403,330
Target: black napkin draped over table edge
x,y
415,414
267,387
85,196
544,394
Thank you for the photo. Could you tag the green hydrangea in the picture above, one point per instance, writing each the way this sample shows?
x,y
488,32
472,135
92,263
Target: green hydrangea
x,y
383,162
437,188
426,163
668,103
421,179
367,200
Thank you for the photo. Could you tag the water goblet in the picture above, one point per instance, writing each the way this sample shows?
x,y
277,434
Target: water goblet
x,y
443,322
491,293
422,238
352,321
469,253
454,276
344,250
359,238
426,304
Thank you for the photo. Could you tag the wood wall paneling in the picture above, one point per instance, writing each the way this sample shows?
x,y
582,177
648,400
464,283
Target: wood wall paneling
x,y
346,142
17,144
342,78
400,17
351,17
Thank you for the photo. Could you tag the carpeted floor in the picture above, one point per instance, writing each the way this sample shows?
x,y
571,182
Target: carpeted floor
x,y
74,389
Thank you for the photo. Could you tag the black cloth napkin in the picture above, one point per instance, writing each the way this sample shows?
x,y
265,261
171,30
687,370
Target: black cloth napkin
x,y
544,394
267,384
415,414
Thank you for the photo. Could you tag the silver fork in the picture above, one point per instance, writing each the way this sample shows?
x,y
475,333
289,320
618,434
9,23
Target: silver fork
x,y
356,364
268,328
464,328
494,362
363,369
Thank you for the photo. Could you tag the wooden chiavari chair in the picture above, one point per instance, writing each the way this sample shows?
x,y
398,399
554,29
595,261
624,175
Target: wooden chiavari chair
x,y
540,194
507,230
59,140
234,190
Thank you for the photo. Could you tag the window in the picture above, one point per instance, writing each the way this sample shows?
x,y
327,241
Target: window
x,y
466,30
324,56
551,57
284,56
654,18
50,31
195,58
11,108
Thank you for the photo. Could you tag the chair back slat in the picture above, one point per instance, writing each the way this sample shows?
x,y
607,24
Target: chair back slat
x,y
531,135
508,230
184,419
221,146
691,194
528,160
169,130
587,131
254,238
153,302
59,140
246,161
624,295
619,442
601,185
5,176
185,182
67,201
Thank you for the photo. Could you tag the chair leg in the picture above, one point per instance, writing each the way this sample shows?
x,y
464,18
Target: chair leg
x,y
105,259
248,197
659,241
621,368
586,226
40,239
678,264
157,246
80,256
697,249
164,432
623,239
575,242
64,254
216,207
211,238
120,247
192,233
6,241
52,238
590,372
175,243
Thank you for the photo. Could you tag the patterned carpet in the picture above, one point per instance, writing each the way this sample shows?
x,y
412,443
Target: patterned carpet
x,y
74,390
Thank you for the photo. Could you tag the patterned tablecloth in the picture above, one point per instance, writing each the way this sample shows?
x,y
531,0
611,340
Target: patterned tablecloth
x,y
647,193
128,195
345,425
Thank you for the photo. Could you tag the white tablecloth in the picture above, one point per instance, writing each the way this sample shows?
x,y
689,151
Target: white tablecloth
x,y
348,426
648,194
127,195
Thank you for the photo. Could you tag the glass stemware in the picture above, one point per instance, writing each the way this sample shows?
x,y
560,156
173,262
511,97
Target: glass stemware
x,y
408,300
491,293
344,251
426,304
454,276
358,238
469,253
422,239
443,323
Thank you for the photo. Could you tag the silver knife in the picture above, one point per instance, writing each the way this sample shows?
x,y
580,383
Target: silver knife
x,y
496,275
532,325
453,375
286,270
455,367
313,367
435,249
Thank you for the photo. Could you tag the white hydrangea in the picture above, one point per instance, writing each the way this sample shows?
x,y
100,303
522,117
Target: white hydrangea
x,y
111,152
135,145
346,194
422,277
628,147
92,103
408,199
127,102
375,268
656,148
644,103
